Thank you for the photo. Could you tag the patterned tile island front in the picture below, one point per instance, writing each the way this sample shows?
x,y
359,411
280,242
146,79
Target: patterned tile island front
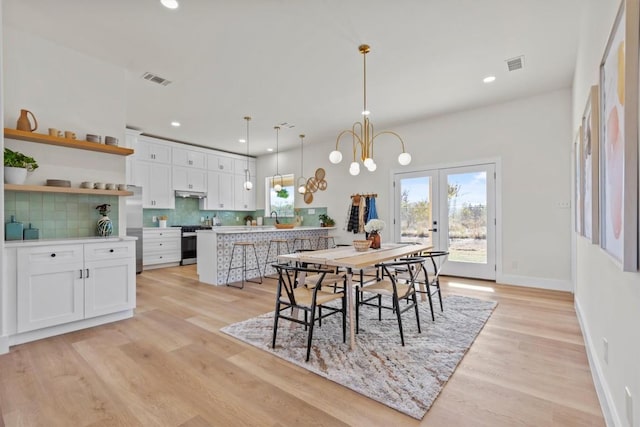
x,y
215,246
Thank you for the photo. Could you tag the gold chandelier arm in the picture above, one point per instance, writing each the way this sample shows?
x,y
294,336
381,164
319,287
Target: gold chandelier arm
x,y
356,139
389,132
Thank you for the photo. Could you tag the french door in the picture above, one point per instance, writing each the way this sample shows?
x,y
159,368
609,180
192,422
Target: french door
x,y
452,209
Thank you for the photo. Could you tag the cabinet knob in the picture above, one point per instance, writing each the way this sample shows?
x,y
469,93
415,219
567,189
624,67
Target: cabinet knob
x,y
111,250
53,255
160,244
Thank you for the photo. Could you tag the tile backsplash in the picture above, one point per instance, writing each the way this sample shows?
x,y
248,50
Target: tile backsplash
x,y
59,215
187,212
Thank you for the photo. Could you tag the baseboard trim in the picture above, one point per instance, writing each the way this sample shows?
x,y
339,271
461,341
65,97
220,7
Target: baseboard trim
x,y
4,344
609,412
535,282
29,336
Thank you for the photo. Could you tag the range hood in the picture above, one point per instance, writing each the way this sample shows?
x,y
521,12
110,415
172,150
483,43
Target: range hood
x,y
191,194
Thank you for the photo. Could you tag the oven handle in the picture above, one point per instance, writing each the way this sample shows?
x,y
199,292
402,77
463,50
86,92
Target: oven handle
x,y
189,234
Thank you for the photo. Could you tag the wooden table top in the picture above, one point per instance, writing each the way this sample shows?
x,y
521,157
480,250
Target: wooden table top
x,y
348,257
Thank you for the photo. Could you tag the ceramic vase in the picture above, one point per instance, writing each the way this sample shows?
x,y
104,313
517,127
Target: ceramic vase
x,y
374,236
104,226
15,175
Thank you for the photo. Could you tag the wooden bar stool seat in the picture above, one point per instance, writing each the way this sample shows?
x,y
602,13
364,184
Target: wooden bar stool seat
x,y
302,241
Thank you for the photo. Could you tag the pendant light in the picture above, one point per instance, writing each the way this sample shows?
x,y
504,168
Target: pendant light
x,y
277,187
302,181
248,185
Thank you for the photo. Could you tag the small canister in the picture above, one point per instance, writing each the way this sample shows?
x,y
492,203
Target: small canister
x,y
31,233
13,230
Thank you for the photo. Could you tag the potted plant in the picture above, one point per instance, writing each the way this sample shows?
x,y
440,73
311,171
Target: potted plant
x,y
326,221
16,166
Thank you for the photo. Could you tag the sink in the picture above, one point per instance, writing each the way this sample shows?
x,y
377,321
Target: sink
x,y
284,226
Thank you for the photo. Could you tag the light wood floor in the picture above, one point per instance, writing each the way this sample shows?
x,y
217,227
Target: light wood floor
x,y
170,365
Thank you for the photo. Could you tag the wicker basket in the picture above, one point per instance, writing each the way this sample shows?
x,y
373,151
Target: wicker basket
x,y
361,245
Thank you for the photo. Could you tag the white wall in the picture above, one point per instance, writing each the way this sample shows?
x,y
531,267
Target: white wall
x,y
607,300
531,137
66,90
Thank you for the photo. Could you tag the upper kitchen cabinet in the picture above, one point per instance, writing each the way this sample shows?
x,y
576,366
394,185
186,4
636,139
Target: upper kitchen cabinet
x,y
189,179
155,180
153,150
189,158
131,141
220,163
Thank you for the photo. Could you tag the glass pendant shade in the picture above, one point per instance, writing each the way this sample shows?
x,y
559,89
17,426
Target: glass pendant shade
x,y
335,157
404,159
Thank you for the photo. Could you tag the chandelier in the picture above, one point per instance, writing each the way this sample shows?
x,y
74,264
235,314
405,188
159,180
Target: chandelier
x,y
248,185
363,136
302,181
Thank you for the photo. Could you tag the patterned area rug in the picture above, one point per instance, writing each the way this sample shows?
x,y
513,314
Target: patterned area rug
x,y
408,378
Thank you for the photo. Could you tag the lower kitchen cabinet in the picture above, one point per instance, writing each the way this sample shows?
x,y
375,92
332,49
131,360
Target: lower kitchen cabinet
x,y
58,284
161,246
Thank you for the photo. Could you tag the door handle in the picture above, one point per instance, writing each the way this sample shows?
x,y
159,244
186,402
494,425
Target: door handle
x,y
432,229
87,276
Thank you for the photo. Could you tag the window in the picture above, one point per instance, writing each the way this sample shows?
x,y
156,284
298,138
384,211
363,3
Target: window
x,y
283,201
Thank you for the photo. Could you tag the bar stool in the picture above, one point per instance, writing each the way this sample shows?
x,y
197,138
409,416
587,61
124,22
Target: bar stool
x,y
325,239
302,241
243,247
277,243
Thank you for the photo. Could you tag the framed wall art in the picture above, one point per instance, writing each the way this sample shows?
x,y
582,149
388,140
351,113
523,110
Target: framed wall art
x,y
578,188
590,167
619,139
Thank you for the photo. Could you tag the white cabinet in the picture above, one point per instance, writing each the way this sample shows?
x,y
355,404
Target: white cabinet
x,y
189,179
161,246
189,158
109,279
59,284
240,165
131,141
244,200
157,189
50,283
220,163
153,150
220,192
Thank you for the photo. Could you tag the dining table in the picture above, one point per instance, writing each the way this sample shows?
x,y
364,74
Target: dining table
x,y
348,258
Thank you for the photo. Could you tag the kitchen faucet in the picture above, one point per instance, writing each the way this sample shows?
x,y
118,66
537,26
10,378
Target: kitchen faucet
x,y
276,214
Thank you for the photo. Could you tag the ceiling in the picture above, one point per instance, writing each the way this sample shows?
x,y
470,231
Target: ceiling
x,y
297,61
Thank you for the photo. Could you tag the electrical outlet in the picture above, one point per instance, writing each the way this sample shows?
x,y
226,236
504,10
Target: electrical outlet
x,y
201,219
605,350
628,404
154,219
563,205
237,218
311,211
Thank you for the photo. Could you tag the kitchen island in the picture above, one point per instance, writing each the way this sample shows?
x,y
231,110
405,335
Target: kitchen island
x,y
215,246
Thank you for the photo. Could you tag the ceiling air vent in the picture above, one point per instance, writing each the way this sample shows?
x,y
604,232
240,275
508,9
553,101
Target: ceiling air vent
x,y
515,63
156,79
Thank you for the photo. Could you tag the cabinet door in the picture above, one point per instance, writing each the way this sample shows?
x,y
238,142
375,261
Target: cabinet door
x,y
157,189
225,191
244,200
149,150
220,163
109,286
50,286
188,179
189,158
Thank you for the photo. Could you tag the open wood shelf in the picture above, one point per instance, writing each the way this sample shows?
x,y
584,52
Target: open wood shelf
x,y
70,190
66,142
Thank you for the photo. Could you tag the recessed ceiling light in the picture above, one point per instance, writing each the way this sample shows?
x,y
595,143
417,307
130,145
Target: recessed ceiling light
x,y
270,149
170,4
242,141
175,124
489,79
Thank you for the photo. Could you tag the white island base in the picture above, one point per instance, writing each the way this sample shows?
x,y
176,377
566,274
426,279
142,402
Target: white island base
x,y
215,246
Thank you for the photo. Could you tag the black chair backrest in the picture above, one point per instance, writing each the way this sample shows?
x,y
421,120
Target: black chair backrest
x,y
410,265
437,258
288,279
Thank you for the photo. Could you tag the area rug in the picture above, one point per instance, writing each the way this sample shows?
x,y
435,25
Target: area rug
x,y
407,378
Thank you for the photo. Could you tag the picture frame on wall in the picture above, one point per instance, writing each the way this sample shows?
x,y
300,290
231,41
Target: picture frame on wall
x,y
619,139
578,188
590,166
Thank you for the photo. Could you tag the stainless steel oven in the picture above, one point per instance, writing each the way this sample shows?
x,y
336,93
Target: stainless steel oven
x,y
189,243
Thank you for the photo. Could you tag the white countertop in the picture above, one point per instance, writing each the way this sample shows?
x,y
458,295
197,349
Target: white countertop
x,y
66,241
257,229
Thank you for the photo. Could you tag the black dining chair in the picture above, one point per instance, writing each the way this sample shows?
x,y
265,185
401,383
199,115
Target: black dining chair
x,y
391,285
307,298
429,281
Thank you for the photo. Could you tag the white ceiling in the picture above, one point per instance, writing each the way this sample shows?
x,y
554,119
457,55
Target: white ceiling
x,y
297,61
